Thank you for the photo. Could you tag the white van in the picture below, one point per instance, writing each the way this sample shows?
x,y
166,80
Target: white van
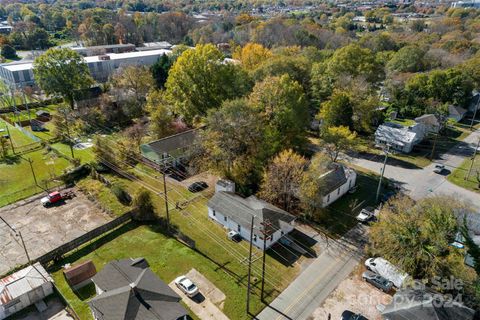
x,y
387,270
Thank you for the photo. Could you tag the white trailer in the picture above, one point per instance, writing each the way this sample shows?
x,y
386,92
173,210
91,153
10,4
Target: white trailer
x,y
387,270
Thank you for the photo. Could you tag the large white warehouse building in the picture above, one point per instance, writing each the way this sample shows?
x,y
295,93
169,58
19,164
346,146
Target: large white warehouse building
x,y
101,67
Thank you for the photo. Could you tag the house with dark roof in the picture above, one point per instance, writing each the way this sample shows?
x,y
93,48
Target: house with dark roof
x,y
171,150
431,123
234,212
336,182
128,290
425,305
456,113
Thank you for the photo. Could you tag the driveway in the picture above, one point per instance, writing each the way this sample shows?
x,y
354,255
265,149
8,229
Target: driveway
x,y
309,290
44,229
423,182
206,305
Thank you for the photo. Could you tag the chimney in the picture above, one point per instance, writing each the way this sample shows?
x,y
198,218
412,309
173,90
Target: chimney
x,y
225,185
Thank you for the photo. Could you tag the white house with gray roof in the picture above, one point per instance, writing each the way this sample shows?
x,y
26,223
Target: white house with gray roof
x,y
400,138
234,212
336,182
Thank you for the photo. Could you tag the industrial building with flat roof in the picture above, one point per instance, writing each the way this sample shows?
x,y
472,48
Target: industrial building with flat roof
x,y
101,67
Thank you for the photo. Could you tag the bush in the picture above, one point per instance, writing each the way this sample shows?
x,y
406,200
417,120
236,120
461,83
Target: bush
x,y
144,210
122,195
8,52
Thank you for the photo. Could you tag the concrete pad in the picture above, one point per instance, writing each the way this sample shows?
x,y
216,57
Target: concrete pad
x,y
44,229
208,289
201,304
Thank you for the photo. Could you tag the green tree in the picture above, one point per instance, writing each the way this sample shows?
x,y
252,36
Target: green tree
x,y
408,59
200,80
338,111
232,142
143,204
160,71
282,105
282,179
137,79
312,188
416,236
161,115
337,140
61,72
8,52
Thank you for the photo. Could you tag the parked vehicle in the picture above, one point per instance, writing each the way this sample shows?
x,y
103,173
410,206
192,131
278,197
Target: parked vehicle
x,y
349,315
187,286
55,197
366,215
198,186
386,270
439,168
234,236
377,281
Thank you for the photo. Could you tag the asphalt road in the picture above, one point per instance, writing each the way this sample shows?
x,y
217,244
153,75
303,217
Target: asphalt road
x,y
337,260
423,182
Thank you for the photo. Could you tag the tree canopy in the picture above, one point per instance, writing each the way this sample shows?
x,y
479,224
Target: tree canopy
x,y
61,72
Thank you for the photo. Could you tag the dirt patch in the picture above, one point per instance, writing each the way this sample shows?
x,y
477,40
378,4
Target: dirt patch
x,y
355,295
44,229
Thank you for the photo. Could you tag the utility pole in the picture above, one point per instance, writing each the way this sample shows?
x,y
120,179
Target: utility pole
x,y
166,200
26,107
14,104
250,265
473,160
266,232
68,132
383,172
10,137
434,145
475,112
33,172
18,234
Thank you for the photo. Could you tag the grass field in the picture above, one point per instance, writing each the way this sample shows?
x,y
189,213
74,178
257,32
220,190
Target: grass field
x,y
18,137
458,175
218,258
16,178
85,155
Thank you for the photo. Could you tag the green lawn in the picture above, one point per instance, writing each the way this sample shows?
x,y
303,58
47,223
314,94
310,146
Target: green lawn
x,y
458,175
16,179
18,137
339,217
31,113
85,155
216,257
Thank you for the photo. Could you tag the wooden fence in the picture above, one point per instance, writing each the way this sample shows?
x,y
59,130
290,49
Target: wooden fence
x,y
75,243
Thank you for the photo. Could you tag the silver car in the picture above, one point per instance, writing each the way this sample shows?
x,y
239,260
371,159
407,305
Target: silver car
x,y
187,286
377,281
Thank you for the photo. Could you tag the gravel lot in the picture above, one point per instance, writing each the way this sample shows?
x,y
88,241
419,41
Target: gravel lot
x,y
355,295
44,229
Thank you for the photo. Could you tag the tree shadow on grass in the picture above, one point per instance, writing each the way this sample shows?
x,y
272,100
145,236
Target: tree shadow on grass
x,y
11,159
84,250
391,161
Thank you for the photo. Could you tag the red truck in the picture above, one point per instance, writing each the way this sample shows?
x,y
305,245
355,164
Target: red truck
x,y
55,197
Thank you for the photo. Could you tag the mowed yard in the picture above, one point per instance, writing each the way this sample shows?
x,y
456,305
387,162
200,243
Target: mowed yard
x,y
223,262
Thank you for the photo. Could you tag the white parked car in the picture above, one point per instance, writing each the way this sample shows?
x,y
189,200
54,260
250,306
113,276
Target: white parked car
x,y
366,215
187,286
439,168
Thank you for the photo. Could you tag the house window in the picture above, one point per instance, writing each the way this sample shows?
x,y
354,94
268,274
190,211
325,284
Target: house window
x,y
239,228
350,184
254,238
338,191
282,232
213,213
225,218
328,198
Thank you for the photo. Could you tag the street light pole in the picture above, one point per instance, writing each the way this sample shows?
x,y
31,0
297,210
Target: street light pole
x,y
383,172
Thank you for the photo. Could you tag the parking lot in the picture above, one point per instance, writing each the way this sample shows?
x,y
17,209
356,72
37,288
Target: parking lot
x,y
44,229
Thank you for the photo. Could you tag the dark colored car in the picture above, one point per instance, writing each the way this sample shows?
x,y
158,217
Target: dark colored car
x,y
198,186
377,281
349,315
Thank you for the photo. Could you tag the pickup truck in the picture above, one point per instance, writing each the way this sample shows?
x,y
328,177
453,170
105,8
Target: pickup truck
x,y
55,197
